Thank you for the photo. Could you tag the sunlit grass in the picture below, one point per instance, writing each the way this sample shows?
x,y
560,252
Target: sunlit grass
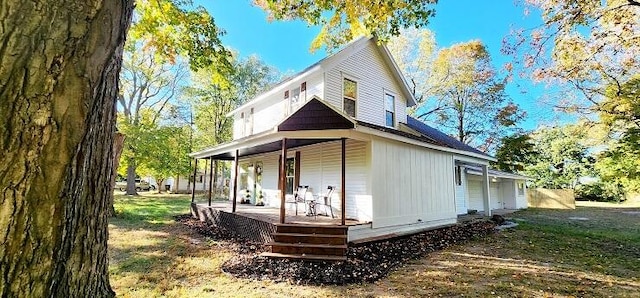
x,y
548,255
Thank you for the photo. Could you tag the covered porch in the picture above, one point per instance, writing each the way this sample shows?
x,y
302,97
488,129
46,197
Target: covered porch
x,y
266,167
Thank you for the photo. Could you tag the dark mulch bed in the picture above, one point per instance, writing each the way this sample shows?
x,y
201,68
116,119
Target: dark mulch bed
x,y
367,262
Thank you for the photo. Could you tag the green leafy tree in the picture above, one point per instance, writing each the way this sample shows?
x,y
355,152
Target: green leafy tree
x,y
148,84
342,21
620,114
515,152
457,88
163,150
582,48
561,157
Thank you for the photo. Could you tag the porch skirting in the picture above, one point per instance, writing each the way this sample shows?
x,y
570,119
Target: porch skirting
x,y
248,228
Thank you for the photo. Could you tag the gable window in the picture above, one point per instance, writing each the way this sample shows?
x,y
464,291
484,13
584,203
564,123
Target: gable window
x,y
389,109
349,94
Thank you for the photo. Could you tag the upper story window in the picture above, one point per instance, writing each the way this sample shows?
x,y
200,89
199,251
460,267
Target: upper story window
x,y
242,126
390,109
294,100
349,95
249,123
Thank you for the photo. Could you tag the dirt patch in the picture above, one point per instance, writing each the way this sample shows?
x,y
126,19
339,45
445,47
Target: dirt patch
x,y
365,262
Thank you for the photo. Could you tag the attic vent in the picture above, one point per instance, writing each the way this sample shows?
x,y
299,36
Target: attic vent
x,y
286,94
303,86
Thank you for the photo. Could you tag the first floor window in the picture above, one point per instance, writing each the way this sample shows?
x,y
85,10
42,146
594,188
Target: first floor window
x,y
290,174
390,111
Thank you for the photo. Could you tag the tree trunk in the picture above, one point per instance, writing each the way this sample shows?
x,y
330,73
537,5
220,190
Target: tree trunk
x,y
131,178
160,182
118,145
58,86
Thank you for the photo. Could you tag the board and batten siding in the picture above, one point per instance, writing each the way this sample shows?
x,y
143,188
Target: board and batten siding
x,y
412,185
461,193
373,77
475,194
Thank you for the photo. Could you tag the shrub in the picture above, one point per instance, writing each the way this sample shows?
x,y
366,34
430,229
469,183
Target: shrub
x,y
599,192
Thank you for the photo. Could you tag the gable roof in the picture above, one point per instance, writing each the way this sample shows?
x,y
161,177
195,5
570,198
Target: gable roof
x,y
316,115
440,137
337,57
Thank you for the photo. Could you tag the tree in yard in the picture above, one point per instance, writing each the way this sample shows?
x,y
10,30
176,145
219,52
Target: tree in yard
x,y
620,114
58,83
515,152
582,48
147,84
342,21
163,149
561,157
457,89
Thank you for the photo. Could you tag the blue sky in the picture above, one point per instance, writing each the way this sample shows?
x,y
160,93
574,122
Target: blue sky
x,y
285,45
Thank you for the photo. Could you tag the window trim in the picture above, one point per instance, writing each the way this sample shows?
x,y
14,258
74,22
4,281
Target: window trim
x,y
355,100
520,190
384,107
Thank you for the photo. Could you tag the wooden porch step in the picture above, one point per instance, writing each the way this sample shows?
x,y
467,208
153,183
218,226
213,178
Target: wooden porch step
x,y
311,229
304,256
309,238
307,245
311,249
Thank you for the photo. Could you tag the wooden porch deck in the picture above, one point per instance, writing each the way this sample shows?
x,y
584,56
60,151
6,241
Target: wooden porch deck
x,y
272,215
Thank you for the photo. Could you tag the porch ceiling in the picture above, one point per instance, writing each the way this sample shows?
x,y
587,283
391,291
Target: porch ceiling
x,y
268,147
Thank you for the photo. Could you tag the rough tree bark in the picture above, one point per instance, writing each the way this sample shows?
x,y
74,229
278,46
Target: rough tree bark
x,y
118,144
58,86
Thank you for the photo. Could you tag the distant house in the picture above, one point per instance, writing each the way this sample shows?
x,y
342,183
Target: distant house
x,y
343,122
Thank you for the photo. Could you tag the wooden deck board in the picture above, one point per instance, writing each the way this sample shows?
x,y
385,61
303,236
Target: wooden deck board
x,y
272,215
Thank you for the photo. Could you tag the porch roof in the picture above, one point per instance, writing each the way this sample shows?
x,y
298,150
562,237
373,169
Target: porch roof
x,y
317,121
495,173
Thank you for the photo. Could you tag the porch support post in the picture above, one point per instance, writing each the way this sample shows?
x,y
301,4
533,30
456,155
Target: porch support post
x,y
235,182
343,191
486,199
193,189
210,178
283,179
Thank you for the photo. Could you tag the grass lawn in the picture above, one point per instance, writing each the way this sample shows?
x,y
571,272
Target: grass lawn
x,y
587,252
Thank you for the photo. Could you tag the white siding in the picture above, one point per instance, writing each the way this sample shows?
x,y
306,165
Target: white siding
x,y
373,77
475,193
521,200
270,111
320,168
411,185
461,194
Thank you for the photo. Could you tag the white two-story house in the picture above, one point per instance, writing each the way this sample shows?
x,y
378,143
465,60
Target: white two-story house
x,y
343,122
